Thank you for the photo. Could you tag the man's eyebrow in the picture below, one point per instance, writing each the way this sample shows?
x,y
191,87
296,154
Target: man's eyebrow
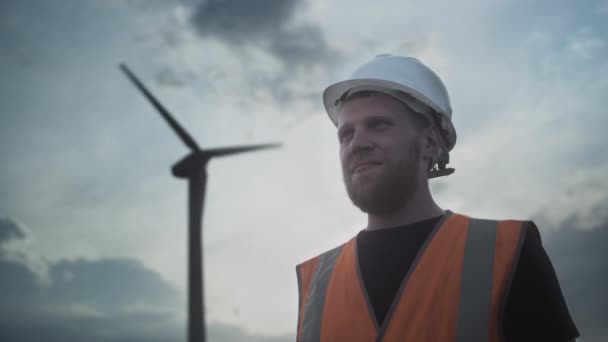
x,y
376,117
366,121
379,115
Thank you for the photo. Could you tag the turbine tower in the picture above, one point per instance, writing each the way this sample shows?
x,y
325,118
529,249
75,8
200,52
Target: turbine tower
x,y
193,167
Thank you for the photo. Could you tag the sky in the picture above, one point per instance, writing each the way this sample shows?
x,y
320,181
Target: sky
x,y
93,224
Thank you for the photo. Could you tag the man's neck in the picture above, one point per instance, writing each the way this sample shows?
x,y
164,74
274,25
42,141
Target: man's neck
x,y
419,207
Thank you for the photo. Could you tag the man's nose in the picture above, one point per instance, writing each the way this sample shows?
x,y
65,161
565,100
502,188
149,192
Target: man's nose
x,y
361,142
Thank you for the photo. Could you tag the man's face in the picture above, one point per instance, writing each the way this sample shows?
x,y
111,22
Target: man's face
x,y
380,153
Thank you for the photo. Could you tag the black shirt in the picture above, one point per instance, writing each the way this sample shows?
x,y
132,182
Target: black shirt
x,y
535,308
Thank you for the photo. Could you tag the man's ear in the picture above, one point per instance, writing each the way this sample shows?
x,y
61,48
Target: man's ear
x,y
431,145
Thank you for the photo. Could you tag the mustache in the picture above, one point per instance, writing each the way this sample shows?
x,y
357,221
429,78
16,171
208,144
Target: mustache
x,y
355,161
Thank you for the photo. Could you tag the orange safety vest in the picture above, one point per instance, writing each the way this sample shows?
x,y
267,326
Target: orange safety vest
x,y
455,290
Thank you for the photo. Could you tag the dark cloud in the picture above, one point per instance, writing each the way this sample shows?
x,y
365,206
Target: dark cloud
x,y
241,21
49,34
260,34
118,300
124,282
583,206
9,230
580,258
304,46
93,300
16,47
267,24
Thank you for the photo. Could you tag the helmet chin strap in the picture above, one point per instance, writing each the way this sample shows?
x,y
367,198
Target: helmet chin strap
x,y
441,173
439,169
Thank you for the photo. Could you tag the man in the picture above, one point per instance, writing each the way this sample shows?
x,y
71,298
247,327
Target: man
x,y
418,272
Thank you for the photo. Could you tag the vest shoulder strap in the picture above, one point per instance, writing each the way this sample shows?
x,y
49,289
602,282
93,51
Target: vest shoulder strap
x,y
313,279
491,253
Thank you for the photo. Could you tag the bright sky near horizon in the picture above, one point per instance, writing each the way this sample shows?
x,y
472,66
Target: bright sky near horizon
x,y
90,214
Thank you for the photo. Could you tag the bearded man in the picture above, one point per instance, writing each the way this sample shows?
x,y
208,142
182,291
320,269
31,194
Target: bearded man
x,y
418,272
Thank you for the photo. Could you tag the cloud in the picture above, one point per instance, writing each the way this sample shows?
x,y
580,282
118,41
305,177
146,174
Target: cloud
x,y
268,23
14,242
582,204
98,300
527,101
266,50
10,231
580,258
115,299
171,78
16,46
241,21
304,45
574,234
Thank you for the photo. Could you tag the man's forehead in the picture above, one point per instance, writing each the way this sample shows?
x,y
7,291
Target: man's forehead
x,y
363,108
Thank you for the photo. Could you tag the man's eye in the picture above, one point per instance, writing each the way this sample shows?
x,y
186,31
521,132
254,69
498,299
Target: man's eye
x,y
345,135
379,124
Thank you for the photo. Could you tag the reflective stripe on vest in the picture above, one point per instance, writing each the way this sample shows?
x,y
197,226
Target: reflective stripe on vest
x,y
454,290
313,310
476,282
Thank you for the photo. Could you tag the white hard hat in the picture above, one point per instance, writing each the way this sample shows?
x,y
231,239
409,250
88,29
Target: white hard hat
x,y
397,73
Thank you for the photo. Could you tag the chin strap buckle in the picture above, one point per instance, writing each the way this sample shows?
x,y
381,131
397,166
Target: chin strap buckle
x,y
440,169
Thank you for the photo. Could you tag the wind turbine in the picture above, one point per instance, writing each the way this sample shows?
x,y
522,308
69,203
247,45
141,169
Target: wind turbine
x,y
194,168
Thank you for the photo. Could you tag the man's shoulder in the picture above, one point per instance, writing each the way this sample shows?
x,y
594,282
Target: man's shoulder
x,y
333,251
475,217
527,224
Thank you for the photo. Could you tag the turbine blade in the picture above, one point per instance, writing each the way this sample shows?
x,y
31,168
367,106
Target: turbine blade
x,y
179,130
224,151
